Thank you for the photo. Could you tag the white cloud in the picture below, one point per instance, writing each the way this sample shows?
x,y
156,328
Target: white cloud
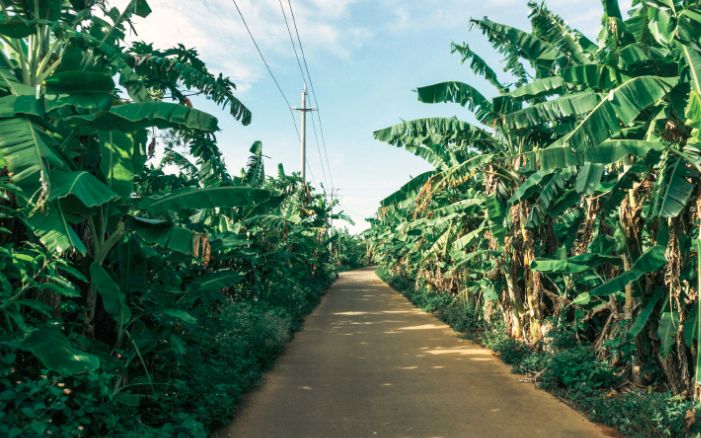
x,y
214,28
401,18
451,14
333,8
410,16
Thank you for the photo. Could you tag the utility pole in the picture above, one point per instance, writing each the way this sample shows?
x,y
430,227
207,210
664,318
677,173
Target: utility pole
x,y
303,137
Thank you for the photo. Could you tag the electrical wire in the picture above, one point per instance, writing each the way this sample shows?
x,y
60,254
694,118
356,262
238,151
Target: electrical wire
x,y
304,79
318,151
313,92
267,66
292,41
277,83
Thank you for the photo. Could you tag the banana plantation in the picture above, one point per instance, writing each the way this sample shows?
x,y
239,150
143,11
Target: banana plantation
x,y
564,211
135,302
145,288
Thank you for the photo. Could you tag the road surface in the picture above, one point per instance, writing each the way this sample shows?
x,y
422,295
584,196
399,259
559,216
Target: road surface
x,y
369,364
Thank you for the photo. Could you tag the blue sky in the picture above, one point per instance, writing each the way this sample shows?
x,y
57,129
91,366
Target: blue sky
x,y
366,57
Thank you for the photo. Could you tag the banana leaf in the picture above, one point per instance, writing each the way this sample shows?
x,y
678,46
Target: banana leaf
x,y
132,116
212,197
56,353
650,261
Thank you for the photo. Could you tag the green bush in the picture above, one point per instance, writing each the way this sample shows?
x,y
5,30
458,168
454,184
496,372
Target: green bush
x,y
510,351
566,367
653,415
347,250
48,404
577,369
533,363
235,346
459,313
193,392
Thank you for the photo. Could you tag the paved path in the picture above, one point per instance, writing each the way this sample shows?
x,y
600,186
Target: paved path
x,y
369,364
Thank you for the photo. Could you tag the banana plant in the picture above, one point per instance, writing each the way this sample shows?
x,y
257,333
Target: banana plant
x,y
113,266
74,144
583,166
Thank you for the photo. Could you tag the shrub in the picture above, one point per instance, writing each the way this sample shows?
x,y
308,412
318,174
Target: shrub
x,y
235,346
577,369
459,313
650,415
566,368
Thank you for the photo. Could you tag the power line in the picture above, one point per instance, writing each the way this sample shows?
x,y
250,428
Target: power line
x,y
292,41
277,84
311,84
311,173
304,79
323,139
267,66
313,90
318,151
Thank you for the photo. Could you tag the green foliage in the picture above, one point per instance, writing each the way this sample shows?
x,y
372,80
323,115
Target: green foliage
x,y
135,302
233,347
50,404
577,369
568,369
459,313
582,180
348,250
645,415
511,351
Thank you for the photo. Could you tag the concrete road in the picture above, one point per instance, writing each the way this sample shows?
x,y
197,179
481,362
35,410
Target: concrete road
x,y
369,364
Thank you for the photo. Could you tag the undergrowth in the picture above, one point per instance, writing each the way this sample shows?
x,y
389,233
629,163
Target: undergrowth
x,y
565,368
194,388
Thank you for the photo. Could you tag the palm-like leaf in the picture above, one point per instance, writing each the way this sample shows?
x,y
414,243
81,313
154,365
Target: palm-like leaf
x,y
28,153
213,197
457,92
539,114
621,107
431,138
478,65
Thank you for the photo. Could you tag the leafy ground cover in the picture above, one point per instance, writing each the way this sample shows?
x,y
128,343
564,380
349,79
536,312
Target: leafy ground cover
x,y
136,301
567,368
567,201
